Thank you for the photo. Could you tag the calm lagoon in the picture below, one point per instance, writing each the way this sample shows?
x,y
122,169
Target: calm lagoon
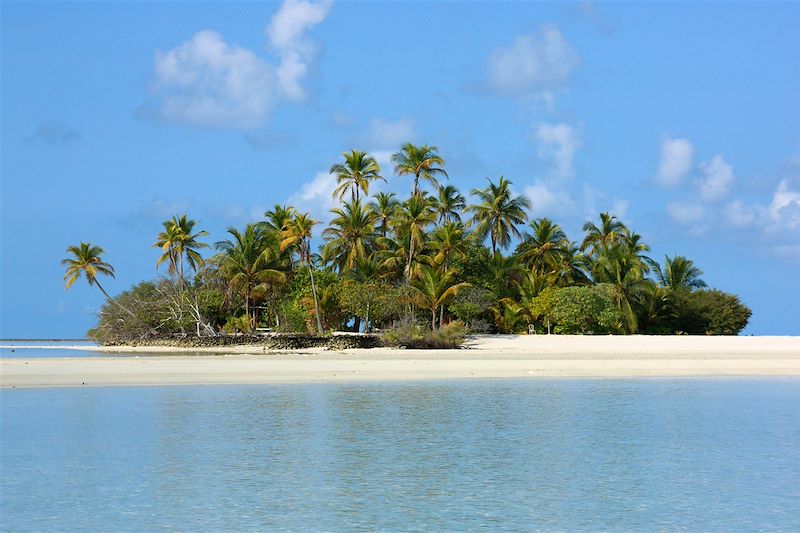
x,y
576,455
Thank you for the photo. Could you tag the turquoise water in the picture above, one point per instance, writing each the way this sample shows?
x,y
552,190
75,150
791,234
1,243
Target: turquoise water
x,y
574,455
38,348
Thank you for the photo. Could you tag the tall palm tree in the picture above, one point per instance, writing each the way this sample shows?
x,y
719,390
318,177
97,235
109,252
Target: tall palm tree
x,y
355,175
247,262
350,235
542,250
498,213
448,242
449,204
436,287
178,240
610,230
277,217
620,267
87,261
421,162
296,233
679,274
414,216
384,205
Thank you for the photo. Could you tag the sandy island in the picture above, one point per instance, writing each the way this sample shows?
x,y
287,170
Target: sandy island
x,y
489,356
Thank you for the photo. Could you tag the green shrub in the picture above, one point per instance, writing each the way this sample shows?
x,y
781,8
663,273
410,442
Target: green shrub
x,y
416,336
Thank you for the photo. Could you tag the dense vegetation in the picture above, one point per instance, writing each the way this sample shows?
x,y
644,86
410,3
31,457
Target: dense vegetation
x,y
431,261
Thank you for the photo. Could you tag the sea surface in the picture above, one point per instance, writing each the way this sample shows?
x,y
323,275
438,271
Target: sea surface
x,y
35,349
528,455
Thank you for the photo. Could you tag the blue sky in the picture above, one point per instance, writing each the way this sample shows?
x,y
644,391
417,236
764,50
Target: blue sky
x,y
682,119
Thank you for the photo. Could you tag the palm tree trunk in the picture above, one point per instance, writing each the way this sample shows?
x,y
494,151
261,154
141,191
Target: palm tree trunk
x,y
410,258
433,318
416,184
314,293
111,300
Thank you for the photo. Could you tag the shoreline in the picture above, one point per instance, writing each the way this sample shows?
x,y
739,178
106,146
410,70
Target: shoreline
x,y
486,357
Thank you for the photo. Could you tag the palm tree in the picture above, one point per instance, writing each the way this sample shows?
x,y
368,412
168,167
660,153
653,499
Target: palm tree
x,y
498,213
414,216
620,267
449,203
448,241
355,175
542,250
246,262
177,241
679,274
419,161
384,205
277,217
611,229
87,260
435,287
350,235
297,233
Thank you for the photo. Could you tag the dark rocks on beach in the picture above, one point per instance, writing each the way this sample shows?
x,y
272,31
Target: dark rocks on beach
x,y
275,341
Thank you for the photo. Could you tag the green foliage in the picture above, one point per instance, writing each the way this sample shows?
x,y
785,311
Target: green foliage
x,y
413,335
579,309
240,324
709,312
471,303
374,302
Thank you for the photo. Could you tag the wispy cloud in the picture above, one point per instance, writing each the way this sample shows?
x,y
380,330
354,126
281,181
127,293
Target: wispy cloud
x,y
53,132
558,143
716,180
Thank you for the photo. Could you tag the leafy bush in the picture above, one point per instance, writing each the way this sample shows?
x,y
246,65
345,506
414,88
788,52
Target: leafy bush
x,y
709,312
235,325
416,336
577,309
471,303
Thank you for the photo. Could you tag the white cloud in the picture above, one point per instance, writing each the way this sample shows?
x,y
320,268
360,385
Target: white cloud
x,y
676,162
382,133
739,214
717,179
286,35
558,142
785,206
206,81
548,201
316,196
536,63
685,213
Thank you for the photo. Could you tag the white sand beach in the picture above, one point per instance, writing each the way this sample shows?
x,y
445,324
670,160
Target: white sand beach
x,y
490,356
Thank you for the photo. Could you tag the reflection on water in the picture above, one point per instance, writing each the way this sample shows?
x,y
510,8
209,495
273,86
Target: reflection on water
x,y
712,455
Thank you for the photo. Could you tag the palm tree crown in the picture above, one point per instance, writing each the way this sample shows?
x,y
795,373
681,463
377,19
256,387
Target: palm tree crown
x,y
679,274
177,241
355,175
498,213
449,204
419,161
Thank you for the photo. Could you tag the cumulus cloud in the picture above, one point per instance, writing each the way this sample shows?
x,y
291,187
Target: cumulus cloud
x,y
558,143
207,81
537,63
716,180
675,163
785,206
549,201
